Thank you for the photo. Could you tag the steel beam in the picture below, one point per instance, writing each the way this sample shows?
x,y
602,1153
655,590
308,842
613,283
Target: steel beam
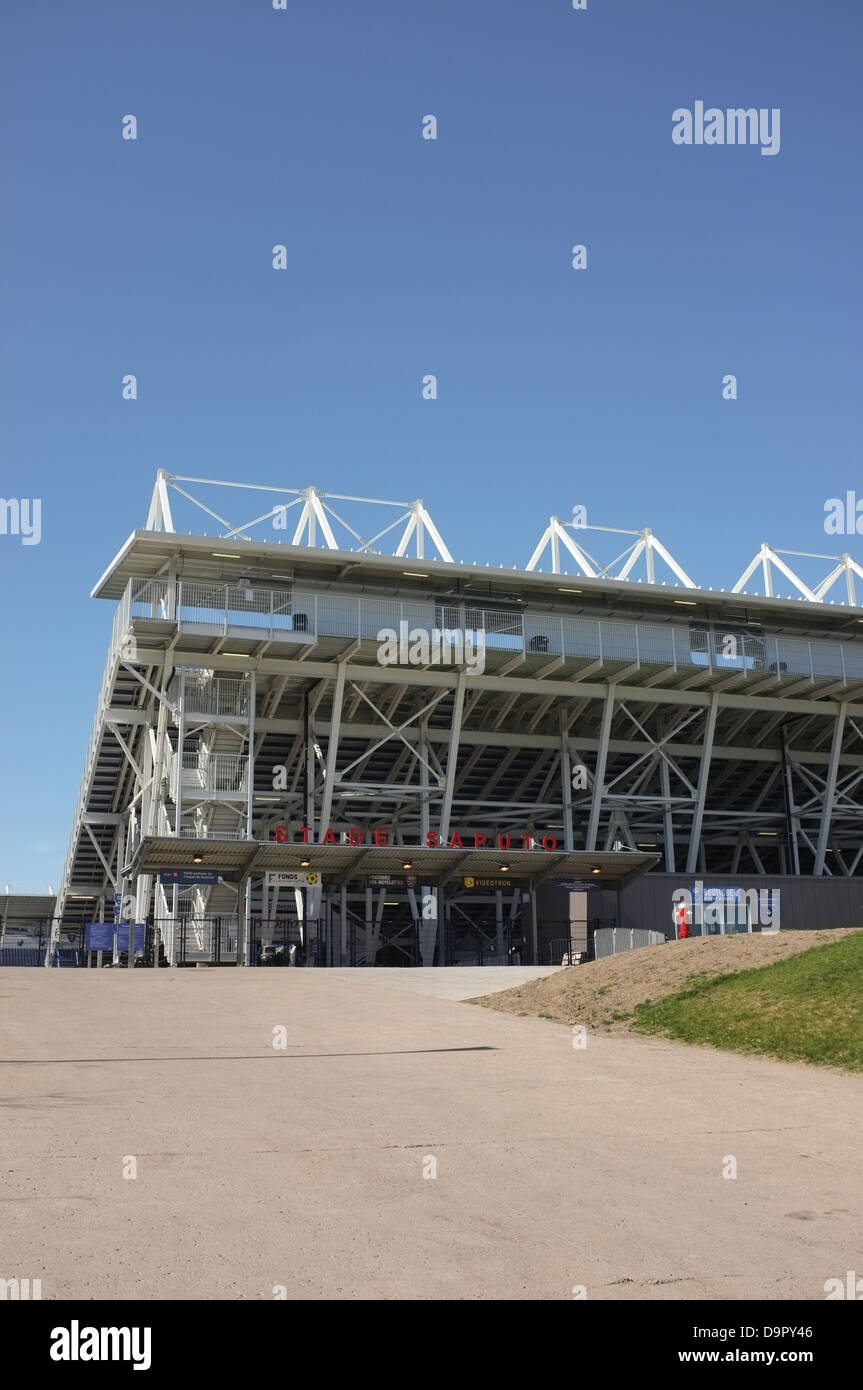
x,y
703,776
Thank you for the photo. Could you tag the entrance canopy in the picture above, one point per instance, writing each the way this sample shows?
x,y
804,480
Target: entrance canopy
x,y
238,859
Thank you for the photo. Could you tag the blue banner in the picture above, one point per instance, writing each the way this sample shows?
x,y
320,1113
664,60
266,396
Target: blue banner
x,y
99,936
183,878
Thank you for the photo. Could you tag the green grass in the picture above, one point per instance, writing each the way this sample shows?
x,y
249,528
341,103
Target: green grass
x,y
808,1008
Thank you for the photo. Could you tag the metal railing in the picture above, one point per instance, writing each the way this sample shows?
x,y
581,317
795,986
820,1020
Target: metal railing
x,y
208,940
227,773
119,629
303,616
198,831
612,940
218,696
562,950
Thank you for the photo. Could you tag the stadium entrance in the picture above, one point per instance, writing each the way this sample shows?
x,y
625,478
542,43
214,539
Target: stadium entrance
x,y
336,905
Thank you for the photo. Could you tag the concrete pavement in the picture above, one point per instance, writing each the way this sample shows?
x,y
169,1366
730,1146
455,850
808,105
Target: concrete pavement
x,y
303,1167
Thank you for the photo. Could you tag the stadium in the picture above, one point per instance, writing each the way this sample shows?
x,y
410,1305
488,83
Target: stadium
x,y
340,740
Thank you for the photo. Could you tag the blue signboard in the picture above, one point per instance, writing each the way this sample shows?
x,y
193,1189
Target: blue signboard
x,y
183,878
99,936
123,936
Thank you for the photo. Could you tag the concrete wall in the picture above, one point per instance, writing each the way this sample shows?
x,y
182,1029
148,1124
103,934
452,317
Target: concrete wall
x,y
806,903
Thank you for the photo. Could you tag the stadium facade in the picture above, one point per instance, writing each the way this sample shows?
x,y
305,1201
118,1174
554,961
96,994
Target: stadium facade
x,y
394,758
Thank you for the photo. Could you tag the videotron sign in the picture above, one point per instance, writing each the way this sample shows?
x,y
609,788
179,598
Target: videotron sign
x,y
470,881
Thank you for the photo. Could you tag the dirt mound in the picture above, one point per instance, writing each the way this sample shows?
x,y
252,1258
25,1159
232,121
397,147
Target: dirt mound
x,y
604,993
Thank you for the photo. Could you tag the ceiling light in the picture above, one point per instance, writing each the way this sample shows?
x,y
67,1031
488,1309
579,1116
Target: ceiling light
x,y
407,866
223,555
304,863
595,869
197,858
686,602
414,574
570,591
504,868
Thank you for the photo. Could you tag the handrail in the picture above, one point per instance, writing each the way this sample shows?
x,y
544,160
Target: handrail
x,y
306,616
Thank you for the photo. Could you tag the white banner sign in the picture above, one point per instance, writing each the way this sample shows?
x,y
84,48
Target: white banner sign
x,y
301,879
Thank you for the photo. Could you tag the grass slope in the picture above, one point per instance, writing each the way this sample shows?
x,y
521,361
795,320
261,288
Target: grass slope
x,y
808,1008
604,994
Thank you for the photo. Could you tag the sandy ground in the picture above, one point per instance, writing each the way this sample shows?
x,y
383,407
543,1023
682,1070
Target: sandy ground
x,y
450,981
304,1167
598,994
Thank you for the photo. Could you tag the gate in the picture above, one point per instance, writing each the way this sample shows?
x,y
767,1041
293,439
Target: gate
x,y
272,939
201,940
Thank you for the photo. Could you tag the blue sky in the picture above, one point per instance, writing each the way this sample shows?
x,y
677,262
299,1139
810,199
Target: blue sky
x,y
599,387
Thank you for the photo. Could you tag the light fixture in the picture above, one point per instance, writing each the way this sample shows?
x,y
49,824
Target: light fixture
x,y
570,591
304,863
197,858
223,555
414,574
768,832
595,869
504,868
686,602
407,866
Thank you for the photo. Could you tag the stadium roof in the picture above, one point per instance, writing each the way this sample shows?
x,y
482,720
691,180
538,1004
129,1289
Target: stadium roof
x,y
342,862
148,553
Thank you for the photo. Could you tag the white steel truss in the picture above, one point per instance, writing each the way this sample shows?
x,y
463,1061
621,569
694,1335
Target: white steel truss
x,y
315,516
769,559
559,533
565,539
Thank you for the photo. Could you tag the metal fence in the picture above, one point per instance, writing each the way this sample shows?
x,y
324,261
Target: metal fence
x,y
200,940
611,941
562,950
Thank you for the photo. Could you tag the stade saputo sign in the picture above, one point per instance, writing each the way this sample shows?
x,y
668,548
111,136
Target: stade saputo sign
x,y
381,839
